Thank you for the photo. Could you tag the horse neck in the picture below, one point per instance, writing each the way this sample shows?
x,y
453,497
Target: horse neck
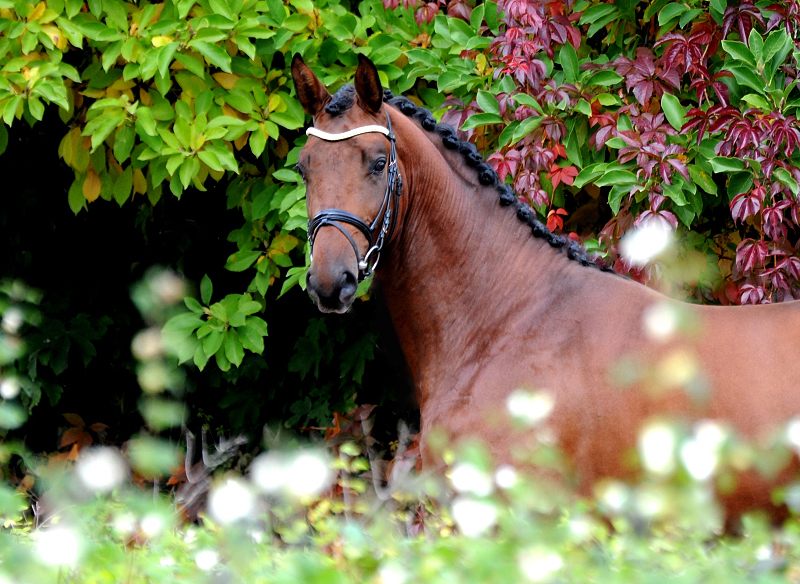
x,y
461,269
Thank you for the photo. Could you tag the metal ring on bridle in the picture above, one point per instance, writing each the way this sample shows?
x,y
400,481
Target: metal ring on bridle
x,y
388,209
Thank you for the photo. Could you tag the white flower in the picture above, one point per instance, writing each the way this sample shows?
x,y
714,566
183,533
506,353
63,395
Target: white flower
x,y
539,564
473,517
59,546
102,469
468,479
231,501
532,408
657,448
640,245
206,559
660,320
306,473
505,476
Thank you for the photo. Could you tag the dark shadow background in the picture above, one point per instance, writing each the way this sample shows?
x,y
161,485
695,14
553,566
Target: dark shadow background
x,y
85,266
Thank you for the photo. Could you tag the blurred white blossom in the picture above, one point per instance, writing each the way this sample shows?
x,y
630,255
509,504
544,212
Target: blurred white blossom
x,y
12,320
101,469
9,388
531,408
660,320
539,563
468,479
231,501
392,573
505,476
304,473
700,453
793,434
206,559
152,525
657,444
147,344
59,546
473,517
642,244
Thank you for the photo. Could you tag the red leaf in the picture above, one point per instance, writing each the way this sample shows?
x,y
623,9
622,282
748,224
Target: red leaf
x,y
71,436
75,420
749,254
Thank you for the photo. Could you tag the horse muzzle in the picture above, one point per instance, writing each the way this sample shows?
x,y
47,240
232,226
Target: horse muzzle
x,y
332,294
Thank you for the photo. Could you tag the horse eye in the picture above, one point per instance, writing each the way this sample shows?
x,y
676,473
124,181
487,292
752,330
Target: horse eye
x,y
299,170
379,166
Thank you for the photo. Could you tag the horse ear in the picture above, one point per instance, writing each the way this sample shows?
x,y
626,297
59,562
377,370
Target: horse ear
x,y
310,91
368,85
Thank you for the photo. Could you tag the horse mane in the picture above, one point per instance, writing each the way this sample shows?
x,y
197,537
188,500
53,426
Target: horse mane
x,y
344,98
341,101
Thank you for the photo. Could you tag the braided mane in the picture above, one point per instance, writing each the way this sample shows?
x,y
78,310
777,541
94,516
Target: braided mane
x,y
343,99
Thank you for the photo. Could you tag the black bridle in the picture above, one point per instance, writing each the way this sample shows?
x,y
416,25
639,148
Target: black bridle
x,y
388,210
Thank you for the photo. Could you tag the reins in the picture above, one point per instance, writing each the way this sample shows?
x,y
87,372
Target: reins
x,y
388,208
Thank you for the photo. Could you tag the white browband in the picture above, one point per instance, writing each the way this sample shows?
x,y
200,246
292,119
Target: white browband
x,y
348,133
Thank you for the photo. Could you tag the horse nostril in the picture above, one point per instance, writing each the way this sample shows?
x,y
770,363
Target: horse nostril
x,y
348,284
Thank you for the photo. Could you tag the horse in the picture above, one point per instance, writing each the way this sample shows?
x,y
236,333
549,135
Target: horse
x,y
485,300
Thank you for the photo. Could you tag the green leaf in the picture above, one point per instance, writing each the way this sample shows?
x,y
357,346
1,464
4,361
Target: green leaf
x,y
222,360
786,179
597,12
747,76
123,142
3,138
123,186
183,323
287,175
193,305
236,319
215,55
206,289
213,342
615,197
233,347
525,99
191,64
165,57
671,12
258,142
616,177
258,324
605,78
568,59
200,357
757,101
488,103
725,164
480,120
75,197
739,51
221,7
251,338
739,182
702,179
674,193
673,110
241,260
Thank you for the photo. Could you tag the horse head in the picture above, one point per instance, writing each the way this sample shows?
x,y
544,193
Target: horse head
x,y
349,167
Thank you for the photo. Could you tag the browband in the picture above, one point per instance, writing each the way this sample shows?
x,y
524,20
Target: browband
x,y
348,133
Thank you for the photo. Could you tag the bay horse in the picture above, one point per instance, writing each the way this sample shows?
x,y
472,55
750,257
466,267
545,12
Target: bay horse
x,y
486,300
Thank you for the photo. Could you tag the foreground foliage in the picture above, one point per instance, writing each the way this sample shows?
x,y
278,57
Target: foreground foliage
x,y
338,513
